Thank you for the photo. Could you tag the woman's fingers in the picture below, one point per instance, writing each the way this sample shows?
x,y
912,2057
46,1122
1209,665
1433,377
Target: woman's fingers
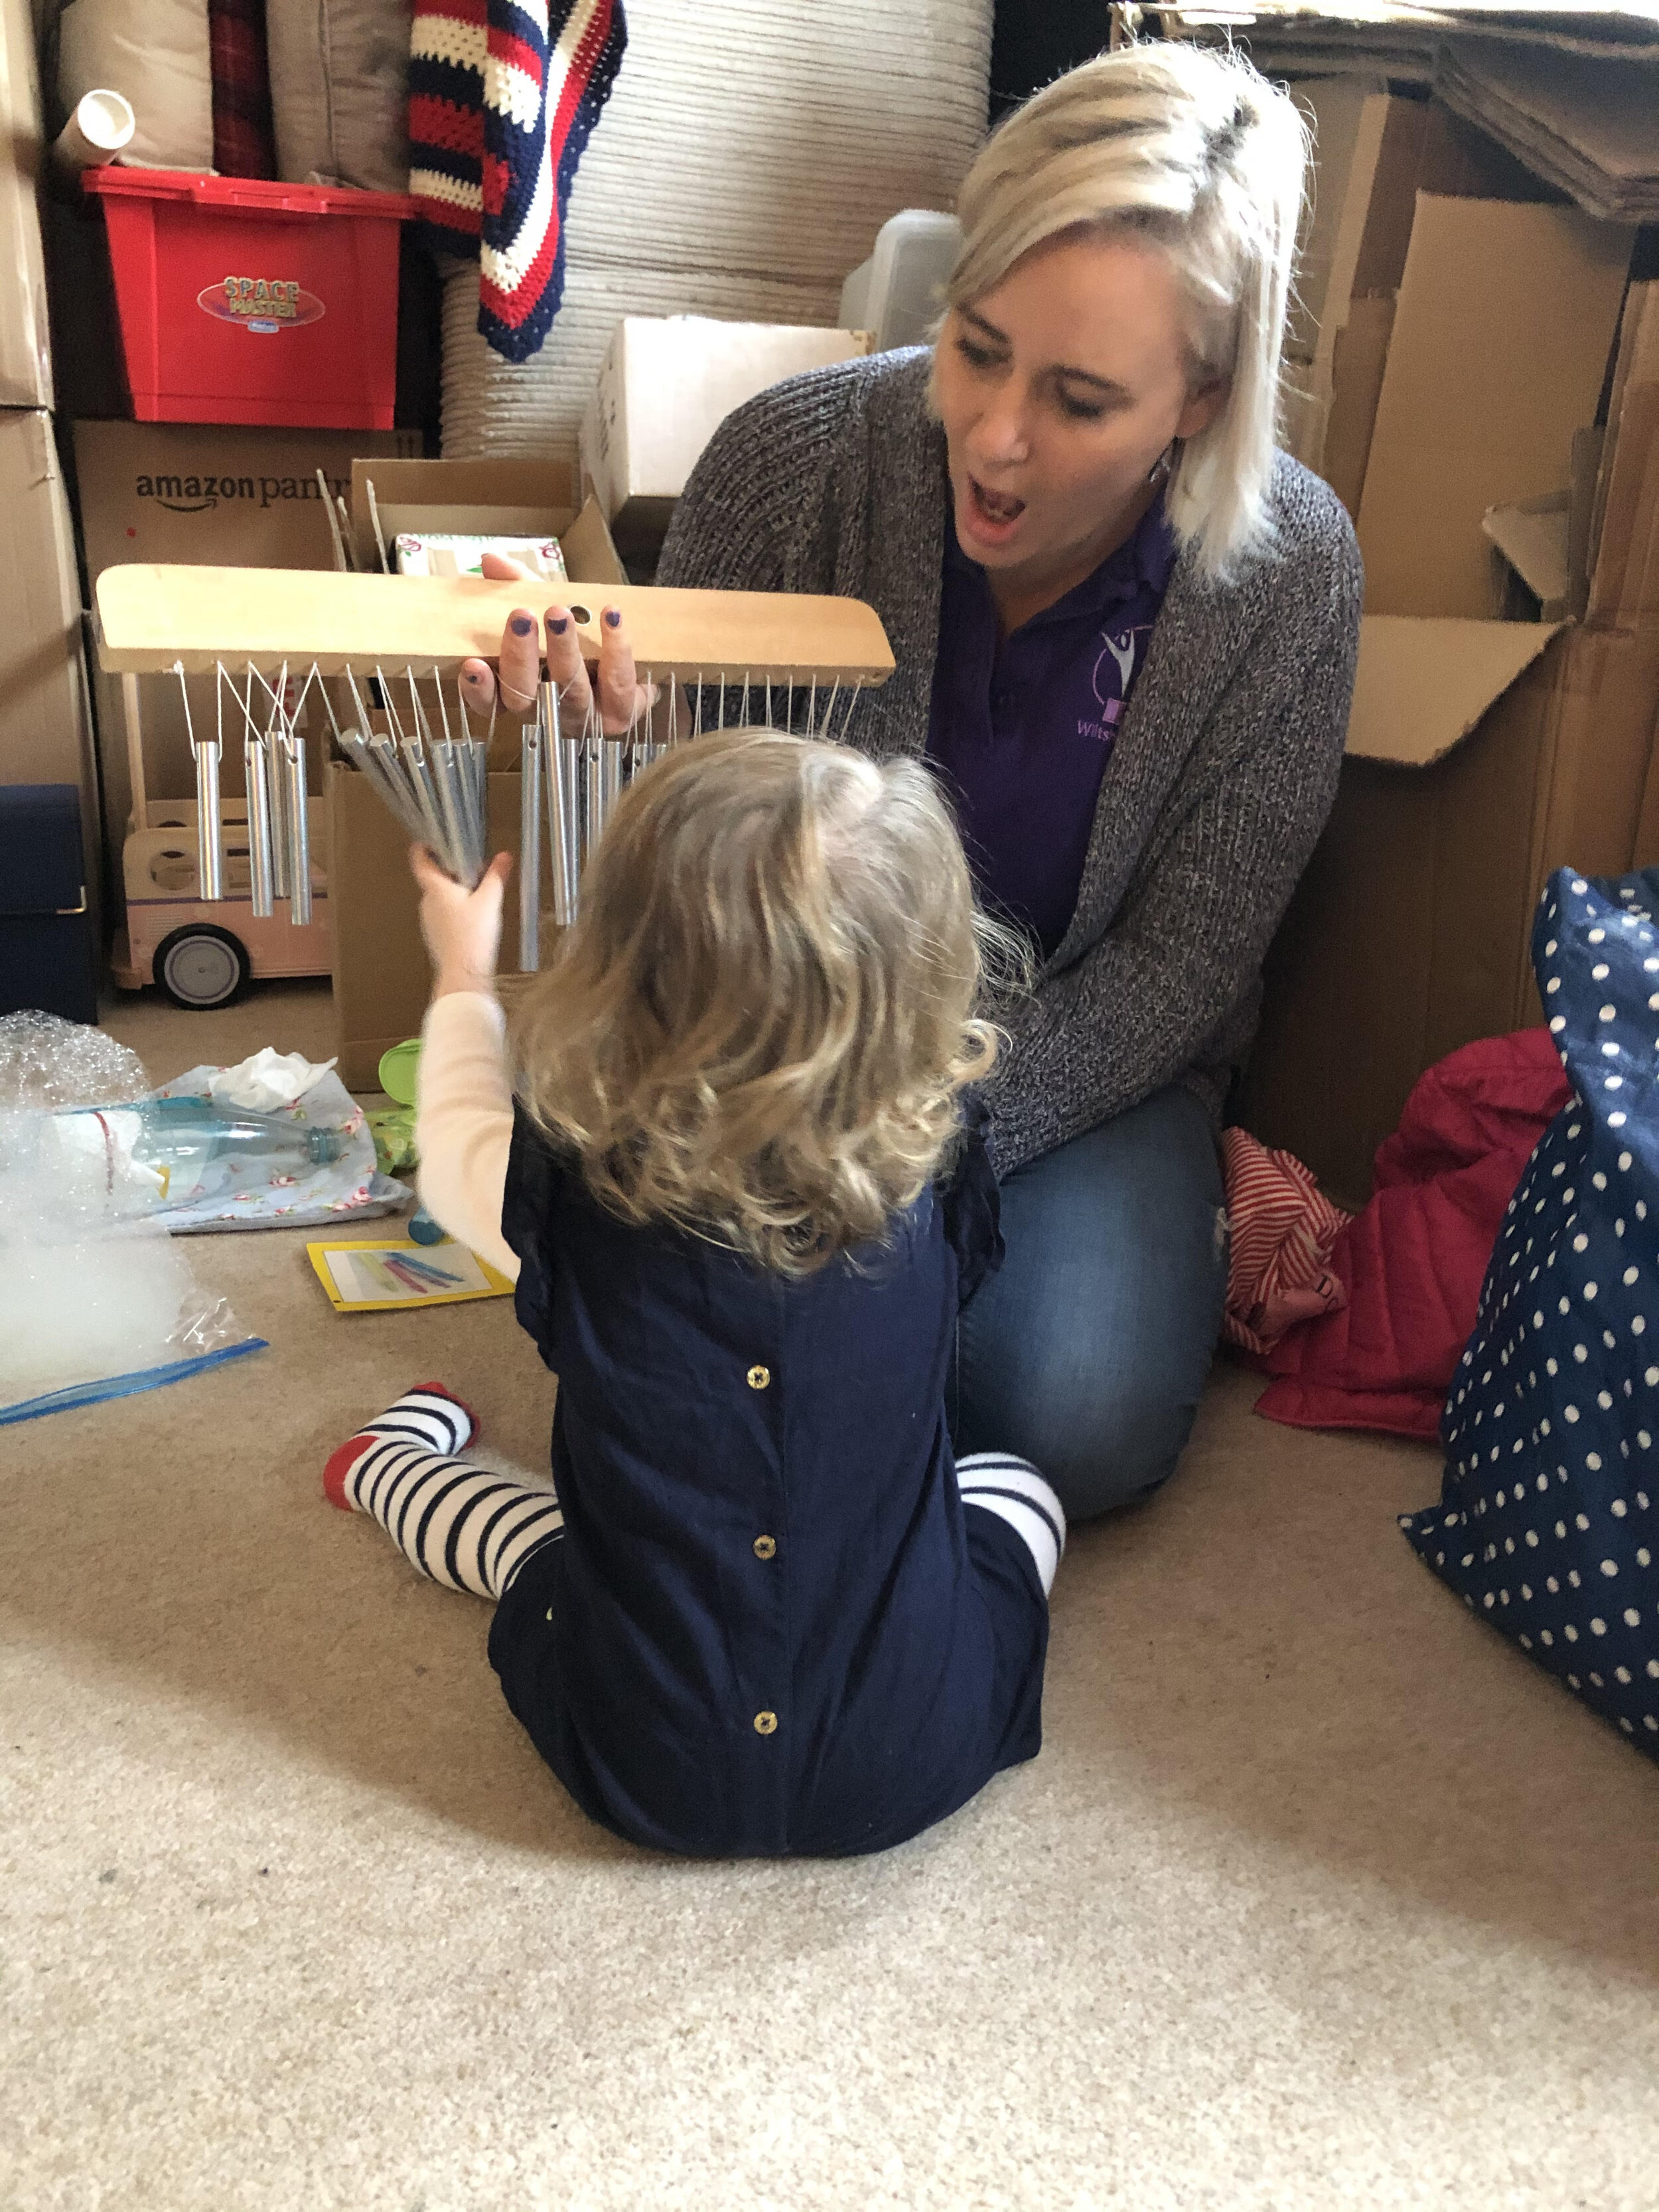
x,y
521,661
619,685
565,665
478,684
521,652
622,698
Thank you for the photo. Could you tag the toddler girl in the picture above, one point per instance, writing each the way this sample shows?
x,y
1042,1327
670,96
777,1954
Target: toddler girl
x,y
766,1612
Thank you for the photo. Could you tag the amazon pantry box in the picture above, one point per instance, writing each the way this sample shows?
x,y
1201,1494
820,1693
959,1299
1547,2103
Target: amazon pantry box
x,y
215,495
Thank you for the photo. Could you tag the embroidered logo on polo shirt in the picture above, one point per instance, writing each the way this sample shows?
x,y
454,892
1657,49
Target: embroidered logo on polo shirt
x,y
1120,649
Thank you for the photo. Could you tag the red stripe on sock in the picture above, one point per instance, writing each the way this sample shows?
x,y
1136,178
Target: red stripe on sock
x,y
339,1467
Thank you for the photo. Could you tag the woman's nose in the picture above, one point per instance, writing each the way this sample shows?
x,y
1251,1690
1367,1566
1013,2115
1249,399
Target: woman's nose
x,y
1001,433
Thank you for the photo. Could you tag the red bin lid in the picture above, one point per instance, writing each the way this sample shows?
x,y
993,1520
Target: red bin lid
x,y
245,195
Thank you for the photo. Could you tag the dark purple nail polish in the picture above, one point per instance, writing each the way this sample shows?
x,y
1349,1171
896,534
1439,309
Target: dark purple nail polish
x,y
521,625
613,615
558,624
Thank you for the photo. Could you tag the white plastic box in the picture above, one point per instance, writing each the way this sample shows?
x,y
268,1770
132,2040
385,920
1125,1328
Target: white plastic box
x,y
897,294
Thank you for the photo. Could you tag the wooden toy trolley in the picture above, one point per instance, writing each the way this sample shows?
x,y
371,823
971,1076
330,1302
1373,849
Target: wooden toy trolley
x,y
219,891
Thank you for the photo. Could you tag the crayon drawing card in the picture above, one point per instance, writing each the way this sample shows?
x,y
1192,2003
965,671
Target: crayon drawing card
x,y
378,1276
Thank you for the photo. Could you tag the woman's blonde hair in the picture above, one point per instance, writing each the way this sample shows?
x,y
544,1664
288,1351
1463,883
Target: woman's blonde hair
x,y
757,1027
1195,152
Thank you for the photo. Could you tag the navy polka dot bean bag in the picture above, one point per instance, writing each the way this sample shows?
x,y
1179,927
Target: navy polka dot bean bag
x,y
1549,1521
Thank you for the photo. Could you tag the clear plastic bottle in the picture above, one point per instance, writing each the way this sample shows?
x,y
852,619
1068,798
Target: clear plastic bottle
x,y
174,1150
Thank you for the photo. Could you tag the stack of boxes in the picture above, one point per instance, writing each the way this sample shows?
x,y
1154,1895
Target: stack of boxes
x,y
1489,376
741,166
47,936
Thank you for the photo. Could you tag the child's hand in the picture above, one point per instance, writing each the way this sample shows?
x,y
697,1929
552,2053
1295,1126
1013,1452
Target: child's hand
x,y
462,928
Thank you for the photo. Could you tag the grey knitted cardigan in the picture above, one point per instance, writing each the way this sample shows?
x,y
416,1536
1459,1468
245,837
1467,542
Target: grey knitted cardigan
x,y
1224,770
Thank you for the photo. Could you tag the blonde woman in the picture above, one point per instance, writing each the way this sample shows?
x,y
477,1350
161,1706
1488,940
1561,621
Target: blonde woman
x,y
1125,628
768,1611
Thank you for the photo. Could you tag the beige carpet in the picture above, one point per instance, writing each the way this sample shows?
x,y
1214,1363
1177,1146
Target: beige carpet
x,y
1319,1896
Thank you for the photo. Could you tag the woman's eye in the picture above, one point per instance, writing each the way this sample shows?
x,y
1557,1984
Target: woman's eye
x,y
976,356
1081,411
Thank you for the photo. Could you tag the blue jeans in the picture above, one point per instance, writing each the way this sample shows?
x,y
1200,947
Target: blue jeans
x,y
1086,1352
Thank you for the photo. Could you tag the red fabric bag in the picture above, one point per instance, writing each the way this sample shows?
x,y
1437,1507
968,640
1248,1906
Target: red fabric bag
x,y
1411,1263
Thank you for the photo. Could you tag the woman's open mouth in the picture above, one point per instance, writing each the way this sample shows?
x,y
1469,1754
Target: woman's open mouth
x,y
991,515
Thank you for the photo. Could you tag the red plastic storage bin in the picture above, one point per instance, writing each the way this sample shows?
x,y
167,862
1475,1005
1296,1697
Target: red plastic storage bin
x,y
244,301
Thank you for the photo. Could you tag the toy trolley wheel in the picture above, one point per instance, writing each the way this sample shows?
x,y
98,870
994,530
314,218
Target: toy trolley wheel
x,y
201,966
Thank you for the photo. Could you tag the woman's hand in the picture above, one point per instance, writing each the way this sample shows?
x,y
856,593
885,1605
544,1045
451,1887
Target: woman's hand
x,y
462,927
623,699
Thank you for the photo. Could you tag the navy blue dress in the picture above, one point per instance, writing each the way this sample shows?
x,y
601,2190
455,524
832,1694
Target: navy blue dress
x,y
771,1626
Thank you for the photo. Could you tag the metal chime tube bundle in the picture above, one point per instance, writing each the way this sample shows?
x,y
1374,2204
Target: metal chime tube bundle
x,y
210,839
282,829
436,787
210,835
299,827
592,788
563,806
452,803
756,654
610,775
529,845
256,771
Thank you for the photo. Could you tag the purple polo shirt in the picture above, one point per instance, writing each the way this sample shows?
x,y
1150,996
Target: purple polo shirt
x,y
1023,729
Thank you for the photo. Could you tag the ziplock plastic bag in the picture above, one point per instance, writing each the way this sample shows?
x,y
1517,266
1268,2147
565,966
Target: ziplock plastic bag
x,y
96,1300
244,1189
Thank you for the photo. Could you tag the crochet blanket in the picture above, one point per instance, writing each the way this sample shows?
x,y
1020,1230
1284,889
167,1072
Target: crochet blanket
x,y
503,97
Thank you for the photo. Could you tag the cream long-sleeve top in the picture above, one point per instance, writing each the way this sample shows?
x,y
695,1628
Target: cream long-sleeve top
x,y
464,1122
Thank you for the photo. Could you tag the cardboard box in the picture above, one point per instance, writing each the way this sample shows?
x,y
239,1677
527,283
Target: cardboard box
x,y
1481,755
1623,554
1368,152
25,342
207,494
666,385
539,497
46,718
1501,337
1359,356
381,977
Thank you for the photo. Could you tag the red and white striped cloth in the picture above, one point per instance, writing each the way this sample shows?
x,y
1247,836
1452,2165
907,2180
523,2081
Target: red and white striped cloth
x,y
1283,1228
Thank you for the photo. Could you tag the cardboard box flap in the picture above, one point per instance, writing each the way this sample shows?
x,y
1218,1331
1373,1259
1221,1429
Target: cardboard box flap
x,y
1624,523
1425,681
590,556
1505,319
1532,537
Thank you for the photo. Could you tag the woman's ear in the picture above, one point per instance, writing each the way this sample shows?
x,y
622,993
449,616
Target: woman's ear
x,y
1201,409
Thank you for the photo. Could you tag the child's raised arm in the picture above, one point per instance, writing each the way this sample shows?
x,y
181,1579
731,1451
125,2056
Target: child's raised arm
x,y
464,1102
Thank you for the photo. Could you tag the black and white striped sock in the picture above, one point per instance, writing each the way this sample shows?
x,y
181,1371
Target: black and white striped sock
x,y
460,1525
1011,1488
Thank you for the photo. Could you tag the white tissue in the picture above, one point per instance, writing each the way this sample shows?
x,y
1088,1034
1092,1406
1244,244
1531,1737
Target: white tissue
x,y
267,1081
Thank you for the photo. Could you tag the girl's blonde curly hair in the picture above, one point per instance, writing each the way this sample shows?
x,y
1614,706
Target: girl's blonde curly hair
x,y
758,1026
